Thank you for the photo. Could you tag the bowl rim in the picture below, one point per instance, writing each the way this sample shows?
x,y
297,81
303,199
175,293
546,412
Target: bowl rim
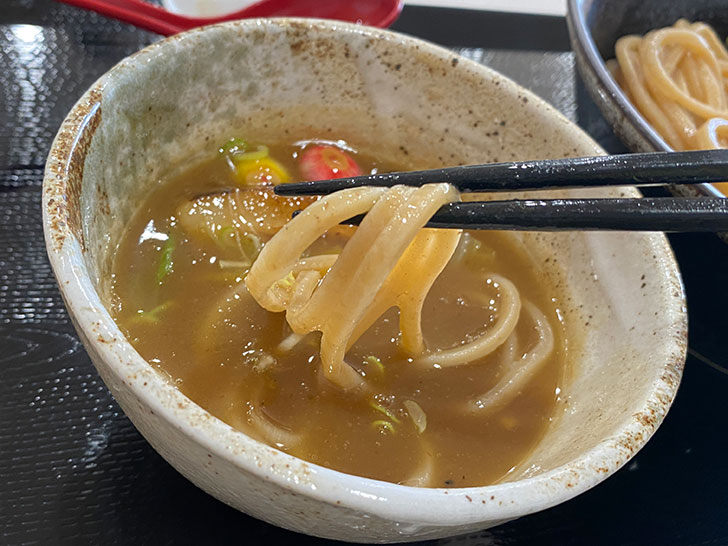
x,y
448,507
579,29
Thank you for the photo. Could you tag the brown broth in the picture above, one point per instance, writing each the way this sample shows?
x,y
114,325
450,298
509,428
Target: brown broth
x,y
198,325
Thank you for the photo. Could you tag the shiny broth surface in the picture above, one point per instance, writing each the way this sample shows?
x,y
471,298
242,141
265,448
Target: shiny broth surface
x,y
179,296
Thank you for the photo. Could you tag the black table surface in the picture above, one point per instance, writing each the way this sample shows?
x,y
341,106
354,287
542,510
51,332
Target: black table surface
x,y
73,470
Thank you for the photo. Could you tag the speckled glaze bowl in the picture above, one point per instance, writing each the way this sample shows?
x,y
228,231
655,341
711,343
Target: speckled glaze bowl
x,y
413,103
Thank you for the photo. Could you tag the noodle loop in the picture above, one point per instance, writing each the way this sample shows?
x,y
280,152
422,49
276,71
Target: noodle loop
x,y
390,261
364,281
677,77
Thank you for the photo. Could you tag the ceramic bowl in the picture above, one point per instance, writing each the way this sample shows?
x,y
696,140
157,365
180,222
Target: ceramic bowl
x,y
594,28
414,103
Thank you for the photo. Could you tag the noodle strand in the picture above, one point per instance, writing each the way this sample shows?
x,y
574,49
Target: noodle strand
x,y
390,261
364,280
677,77
523,369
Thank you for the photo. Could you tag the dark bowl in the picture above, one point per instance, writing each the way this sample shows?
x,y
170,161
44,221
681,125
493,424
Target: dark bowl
x,y
595,26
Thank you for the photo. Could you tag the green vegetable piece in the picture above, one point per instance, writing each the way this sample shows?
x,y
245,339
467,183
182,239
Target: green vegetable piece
x,y
233,146
152,316
381,409
384,426
375,362
166,265
227,235
288,280
251,246
248,243
241,156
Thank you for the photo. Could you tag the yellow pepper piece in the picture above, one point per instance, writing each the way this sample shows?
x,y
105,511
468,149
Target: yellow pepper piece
x,y
260,172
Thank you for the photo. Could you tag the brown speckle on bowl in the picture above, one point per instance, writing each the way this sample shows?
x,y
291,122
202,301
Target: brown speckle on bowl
x,y
65,165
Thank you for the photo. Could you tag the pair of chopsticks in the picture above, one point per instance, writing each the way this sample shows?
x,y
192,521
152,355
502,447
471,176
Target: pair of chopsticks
x,y
639,214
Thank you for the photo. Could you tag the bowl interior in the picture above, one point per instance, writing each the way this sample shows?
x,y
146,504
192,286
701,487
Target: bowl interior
x,y
408,102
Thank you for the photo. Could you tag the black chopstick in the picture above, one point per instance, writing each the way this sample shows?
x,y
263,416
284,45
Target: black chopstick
x,y
693,167
641,214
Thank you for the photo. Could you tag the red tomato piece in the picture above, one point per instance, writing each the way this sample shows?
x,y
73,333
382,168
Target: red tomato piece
x,y
325,162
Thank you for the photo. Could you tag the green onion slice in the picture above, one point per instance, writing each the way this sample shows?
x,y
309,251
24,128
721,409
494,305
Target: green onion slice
x,y
384,410
384,426
251,245
375,362
242,156
287,281
233,146
151,316
166,265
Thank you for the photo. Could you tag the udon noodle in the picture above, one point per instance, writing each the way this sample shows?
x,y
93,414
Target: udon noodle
x,y
677,77
389,262
427,357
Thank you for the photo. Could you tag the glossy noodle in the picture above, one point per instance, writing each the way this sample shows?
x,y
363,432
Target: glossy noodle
x,y
677,77
420,356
